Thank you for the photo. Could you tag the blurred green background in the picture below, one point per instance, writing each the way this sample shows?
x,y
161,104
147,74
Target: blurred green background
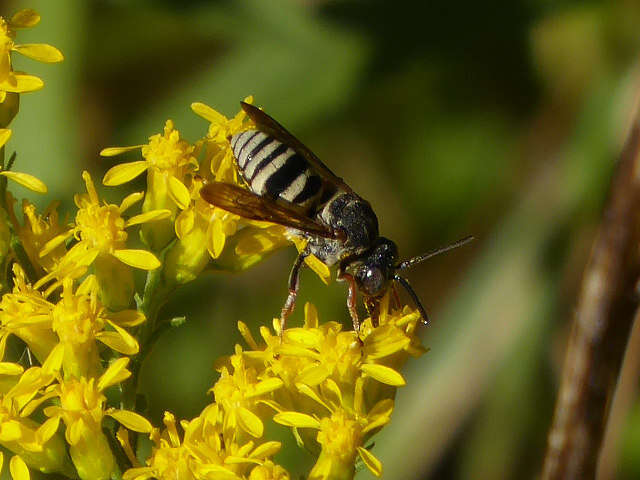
x,y
499,119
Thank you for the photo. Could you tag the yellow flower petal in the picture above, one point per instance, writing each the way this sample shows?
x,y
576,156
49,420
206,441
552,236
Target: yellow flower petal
x,y
10,368
309,392
372,463
250,422
150,216
5,135
185,222
319,268
208,113
234,460
54,243
131,420
310,316
53,363
26,180
10,430
48,429
116,372
384,341
386,375
127,318
313,375
296,419
40,52
266,386
217,238
113,151
267,449
21,83
123,173
377,423
25,18
138,258
130,200
18,469
75,431
139,473
120,340
304,336
179,193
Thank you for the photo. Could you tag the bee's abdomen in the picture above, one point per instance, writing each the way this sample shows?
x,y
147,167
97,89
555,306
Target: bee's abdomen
x,y
272,169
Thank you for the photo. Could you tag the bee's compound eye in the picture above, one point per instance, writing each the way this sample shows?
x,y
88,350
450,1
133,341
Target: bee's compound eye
x,y
372,281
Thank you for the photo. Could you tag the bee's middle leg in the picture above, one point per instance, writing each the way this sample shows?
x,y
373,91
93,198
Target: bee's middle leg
x,y
294,283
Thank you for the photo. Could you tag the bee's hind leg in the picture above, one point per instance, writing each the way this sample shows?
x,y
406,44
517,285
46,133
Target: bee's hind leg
x,y
294,283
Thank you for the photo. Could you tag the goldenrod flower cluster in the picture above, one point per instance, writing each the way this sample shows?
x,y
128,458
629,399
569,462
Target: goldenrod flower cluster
x,y
71,310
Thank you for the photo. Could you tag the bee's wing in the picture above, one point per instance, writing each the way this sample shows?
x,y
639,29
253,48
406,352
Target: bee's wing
x,y
268,125
235,199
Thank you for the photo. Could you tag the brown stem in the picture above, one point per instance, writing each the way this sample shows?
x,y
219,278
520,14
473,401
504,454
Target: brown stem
x,y
601,328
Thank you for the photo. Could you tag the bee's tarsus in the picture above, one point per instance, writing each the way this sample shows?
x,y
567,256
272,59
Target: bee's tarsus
x,y
407,286
294,283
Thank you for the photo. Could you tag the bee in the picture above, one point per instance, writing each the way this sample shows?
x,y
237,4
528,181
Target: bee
x,y
288,185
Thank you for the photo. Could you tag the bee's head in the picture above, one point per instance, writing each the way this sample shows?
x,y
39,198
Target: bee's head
x,y
374,270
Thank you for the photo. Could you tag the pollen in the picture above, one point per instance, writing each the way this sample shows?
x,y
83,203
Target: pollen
x,y
73,318
168,152
101,226
340,436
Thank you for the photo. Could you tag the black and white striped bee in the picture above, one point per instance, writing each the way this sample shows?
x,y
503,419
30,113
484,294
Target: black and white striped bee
x,y
288,185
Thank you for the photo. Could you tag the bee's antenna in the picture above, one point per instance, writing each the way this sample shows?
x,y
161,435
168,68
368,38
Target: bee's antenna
x,y
425,256
405,283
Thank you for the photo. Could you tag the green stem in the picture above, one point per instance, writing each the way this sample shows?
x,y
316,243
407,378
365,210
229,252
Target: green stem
x,y
155,294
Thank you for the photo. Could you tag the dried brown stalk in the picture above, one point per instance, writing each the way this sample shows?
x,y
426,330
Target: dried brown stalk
x,y
602,325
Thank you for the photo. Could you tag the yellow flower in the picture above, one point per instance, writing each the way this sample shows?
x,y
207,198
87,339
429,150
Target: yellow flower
x,y
25,313
269,471
36,231
82,408
81,321
352,376
36,445
20,82
170,163
219,155
169,459
206,452
201,230
100,231
343,433
240,391
74,324
205,232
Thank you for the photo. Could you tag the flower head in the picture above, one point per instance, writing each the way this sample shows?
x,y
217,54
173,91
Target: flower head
x,y
205,451
36,445
219,155
25,313
170,164
81,321
100,230
35,231
82,409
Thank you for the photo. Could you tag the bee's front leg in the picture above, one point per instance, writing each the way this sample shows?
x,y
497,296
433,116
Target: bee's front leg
x,y
294,283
